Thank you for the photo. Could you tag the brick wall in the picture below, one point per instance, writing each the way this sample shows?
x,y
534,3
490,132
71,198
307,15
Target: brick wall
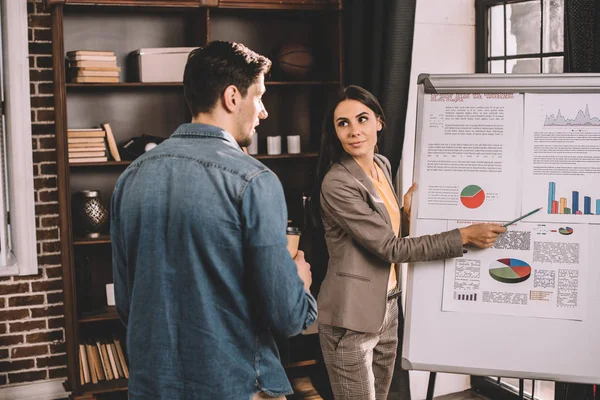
x,y
32,332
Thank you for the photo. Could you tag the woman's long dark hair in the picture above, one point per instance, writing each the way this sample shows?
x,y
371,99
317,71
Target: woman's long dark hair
x,y
331,149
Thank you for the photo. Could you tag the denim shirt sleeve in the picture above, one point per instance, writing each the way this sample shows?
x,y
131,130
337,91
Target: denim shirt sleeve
x,y
282,301
120,273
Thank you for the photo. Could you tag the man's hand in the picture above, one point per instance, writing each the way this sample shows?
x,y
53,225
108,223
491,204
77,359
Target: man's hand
x,y
408,198
303,270
481,235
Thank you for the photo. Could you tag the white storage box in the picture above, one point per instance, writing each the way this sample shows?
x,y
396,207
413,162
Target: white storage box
x,y
160,64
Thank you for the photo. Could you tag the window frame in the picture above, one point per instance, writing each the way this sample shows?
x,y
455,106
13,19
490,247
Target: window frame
x,y
22,258
482,8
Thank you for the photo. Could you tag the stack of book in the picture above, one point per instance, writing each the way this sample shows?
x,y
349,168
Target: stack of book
x,y
92,66
101,360
90,145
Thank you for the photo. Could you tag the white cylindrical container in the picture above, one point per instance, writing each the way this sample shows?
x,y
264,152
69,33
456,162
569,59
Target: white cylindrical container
x,y
110,294
293,144
253,148
273,145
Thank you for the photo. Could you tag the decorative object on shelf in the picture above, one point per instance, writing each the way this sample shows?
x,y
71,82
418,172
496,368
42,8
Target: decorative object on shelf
x,y
253,148
161,64
90,216
273,145
296,61
110,294
138,145
293,144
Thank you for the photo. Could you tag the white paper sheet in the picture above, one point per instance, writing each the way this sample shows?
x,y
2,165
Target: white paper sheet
x,y
562,163
533,270
470,156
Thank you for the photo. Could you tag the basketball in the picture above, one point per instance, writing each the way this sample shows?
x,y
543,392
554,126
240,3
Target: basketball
x,y
295,60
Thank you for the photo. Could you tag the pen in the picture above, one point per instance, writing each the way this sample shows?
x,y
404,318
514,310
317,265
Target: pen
x,y
522,216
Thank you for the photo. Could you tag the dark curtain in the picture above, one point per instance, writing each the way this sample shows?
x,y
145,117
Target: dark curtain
x,y
582,54
377,56
582,36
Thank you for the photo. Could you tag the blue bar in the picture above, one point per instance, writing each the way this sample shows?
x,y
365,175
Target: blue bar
x,y
551,191
575,206
587,205
598,207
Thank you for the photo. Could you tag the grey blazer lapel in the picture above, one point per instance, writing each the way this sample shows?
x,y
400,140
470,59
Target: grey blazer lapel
x,y
357,173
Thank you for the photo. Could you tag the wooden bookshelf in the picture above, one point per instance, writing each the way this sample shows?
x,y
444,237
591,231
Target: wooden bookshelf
x,y
135,108
109,313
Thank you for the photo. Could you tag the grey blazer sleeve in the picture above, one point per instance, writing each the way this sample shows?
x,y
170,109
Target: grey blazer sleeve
x,y
343,203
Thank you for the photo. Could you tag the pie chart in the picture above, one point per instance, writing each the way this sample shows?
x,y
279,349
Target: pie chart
x,y
472,196
565,231
510,270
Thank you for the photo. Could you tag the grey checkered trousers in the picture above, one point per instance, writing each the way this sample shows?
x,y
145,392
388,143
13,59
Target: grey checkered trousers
x,y
360,365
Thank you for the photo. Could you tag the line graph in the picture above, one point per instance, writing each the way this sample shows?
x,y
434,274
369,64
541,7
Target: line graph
x,y
583,118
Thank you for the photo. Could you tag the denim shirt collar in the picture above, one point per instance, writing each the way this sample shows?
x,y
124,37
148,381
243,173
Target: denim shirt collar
x,y
195,130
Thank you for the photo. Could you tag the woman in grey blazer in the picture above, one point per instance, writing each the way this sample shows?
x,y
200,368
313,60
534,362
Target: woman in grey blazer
x,y
364,228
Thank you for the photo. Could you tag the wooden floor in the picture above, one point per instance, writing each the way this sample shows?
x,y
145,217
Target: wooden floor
x,y
466,395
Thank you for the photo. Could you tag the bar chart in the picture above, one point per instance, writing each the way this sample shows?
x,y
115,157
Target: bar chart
x,y
563,206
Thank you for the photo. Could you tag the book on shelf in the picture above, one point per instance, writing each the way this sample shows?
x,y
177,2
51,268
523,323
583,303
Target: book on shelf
x,y
85,140
83,147
85,132
92,64
105,362
81,377
94,72
101,359
92,363
112,144
121,355
98,362
97,69
74,53
92,144
95,79
87,154
83,364
112,58
87,160
77,145
89,66
113,358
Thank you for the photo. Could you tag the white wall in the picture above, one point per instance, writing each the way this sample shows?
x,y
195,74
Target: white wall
x,y
444,42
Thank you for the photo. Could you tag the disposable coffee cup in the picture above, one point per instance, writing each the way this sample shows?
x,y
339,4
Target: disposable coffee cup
x,y
293,237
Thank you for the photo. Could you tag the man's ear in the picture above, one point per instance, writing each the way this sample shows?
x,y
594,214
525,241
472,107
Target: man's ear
x,y
231,98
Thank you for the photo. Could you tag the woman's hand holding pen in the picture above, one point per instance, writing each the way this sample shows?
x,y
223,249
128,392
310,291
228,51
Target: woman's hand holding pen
x,y
481,235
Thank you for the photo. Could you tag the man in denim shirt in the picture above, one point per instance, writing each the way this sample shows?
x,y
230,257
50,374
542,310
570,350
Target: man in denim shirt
x,y
202,274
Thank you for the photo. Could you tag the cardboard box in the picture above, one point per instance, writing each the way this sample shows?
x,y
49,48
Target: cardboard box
x,y
160,64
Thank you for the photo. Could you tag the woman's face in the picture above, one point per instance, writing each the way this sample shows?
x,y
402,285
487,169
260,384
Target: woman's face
x,y
356,126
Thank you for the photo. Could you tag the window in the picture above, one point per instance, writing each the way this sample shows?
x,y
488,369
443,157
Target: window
x,y
18,253
525,36
519,36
